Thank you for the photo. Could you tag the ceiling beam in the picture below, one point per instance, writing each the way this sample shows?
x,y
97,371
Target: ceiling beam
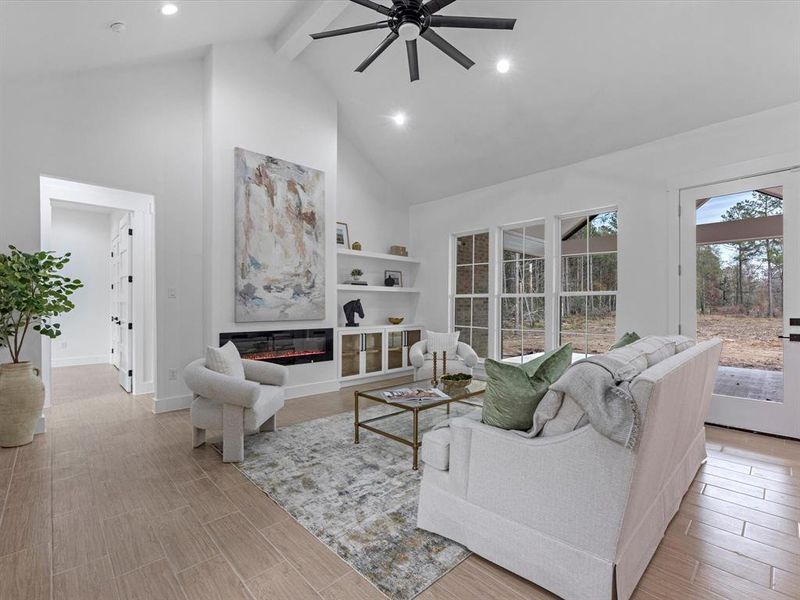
x,y
313,17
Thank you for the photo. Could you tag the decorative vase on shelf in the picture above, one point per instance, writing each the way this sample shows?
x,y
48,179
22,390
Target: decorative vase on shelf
x,y
389,282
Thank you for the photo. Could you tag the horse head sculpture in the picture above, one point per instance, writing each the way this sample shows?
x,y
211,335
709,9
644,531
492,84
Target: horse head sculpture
x,y
351,309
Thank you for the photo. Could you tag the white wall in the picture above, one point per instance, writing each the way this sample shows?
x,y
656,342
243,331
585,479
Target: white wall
x,y
636,180
86,330
376,215
261,102
138,129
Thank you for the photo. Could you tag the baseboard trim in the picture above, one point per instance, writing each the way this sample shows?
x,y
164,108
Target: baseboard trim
x,y
41,425
173,403
79,361
309,389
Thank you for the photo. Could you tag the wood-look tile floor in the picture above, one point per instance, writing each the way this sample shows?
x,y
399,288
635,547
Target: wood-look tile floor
x,y
113,504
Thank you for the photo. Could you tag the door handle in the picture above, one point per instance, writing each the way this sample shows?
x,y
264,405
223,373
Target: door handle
x,y
792,337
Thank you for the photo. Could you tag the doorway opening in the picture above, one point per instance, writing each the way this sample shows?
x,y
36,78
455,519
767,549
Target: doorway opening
x,y
111,330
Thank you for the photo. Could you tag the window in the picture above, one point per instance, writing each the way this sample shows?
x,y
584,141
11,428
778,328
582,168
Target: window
x,y
522,308
588,297
471,298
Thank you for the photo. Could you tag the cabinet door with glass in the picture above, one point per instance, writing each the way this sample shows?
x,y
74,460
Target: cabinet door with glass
x,y
398,345
350,354
360,353
373,352
395,350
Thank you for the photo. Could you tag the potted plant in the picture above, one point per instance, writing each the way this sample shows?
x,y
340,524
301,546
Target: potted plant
x,y
356,274
455,383
32,293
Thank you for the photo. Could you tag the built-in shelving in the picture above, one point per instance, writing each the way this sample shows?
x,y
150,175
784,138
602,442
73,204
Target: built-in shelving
x,y
345,287
376,256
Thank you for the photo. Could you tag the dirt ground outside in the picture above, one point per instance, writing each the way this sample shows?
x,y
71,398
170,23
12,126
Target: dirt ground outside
x,y
748,342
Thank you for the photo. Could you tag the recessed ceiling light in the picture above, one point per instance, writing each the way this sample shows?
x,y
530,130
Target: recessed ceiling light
x,y
503,65
399,119
169,9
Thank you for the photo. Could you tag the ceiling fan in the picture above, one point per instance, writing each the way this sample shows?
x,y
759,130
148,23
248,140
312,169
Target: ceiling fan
x,y
411,19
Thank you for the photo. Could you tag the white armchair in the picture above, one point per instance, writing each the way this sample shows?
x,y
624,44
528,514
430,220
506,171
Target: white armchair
x,y
463,362
237,406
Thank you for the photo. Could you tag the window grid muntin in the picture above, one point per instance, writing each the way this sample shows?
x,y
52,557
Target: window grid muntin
x,y
472,295
522,258
586,234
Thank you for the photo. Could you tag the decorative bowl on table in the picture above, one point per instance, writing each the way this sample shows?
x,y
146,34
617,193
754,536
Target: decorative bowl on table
x,y
396,320
454,383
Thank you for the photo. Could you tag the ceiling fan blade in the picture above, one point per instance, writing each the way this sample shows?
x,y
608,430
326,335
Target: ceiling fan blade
x,y
434,6
446,47
472,22
373,5
387,41
413,59
346,30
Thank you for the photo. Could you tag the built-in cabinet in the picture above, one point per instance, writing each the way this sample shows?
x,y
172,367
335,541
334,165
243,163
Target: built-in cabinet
x,y
372,351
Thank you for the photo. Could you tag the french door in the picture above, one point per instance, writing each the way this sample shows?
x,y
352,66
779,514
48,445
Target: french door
x,y
740,281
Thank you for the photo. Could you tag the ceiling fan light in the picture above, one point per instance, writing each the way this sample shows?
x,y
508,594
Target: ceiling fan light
x,y
408,31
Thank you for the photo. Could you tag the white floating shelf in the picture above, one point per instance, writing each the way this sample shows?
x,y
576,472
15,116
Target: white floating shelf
x,y
343,287
376,256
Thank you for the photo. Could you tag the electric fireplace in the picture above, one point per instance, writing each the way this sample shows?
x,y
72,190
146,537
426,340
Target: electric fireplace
x,y
283,346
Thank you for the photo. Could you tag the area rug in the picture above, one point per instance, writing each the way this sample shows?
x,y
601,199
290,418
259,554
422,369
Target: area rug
x,y
359,500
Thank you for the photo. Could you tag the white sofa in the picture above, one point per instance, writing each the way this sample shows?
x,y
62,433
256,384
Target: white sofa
x,y
463,362
575,513
236,406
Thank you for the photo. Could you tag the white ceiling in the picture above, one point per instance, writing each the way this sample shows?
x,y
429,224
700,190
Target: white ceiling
x,y
587,78
55,36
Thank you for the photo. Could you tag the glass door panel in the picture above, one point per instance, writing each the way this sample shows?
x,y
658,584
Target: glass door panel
x,y
740,245
740,289
395,350
350,354
373,348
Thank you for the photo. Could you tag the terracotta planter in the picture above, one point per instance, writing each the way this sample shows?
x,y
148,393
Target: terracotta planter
x,y
21,401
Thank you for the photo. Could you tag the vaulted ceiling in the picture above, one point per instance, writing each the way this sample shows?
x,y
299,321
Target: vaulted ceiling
x,y
587,78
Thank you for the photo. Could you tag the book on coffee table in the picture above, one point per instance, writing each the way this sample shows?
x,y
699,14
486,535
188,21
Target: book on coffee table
x,y
414,395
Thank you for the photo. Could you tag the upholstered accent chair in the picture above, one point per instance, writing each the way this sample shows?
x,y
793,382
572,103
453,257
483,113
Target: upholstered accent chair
x,y
422,361
236,406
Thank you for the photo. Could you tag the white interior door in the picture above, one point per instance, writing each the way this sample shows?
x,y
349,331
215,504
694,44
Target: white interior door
x,y
740,281
115,270
124,295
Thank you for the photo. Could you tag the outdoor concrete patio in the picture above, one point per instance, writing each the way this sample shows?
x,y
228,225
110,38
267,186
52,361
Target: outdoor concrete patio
x,y
757,384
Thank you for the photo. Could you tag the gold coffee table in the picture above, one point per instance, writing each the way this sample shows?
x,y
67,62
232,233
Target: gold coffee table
x,y
476,388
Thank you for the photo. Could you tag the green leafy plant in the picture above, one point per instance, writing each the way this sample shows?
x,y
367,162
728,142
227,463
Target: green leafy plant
x,y
356,273
32,293
456,377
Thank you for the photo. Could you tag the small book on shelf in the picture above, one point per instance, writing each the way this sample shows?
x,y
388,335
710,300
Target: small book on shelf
x,y
356,283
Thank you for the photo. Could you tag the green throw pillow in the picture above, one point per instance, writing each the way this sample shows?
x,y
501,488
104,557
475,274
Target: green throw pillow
x,y
514,391
626,339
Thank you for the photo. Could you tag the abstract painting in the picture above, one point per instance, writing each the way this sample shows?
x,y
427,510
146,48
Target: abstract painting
x,y
280,239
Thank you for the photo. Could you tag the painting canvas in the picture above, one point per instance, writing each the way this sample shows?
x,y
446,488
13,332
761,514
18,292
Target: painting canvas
x,y
280,239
